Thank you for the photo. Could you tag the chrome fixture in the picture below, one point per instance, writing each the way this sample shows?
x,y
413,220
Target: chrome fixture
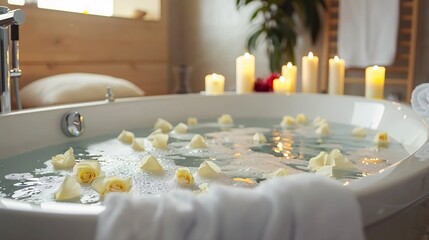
x,y
8,18
110,97
72,124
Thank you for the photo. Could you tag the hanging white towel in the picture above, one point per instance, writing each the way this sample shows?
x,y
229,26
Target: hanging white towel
x,y
368,32
301,207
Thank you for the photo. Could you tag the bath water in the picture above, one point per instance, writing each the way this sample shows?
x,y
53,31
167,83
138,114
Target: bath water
x,y
31,176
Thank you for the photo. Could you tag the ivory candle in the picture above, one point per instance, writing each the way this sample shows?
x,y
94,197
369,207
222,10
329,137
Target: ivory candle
x,y
282,85
289,72
310,65
215,84
245,73
336,76
374,82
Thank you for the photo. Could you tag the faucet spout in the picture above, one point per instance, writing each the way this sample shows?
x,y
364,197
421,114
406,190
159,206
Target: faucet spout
x,y
8,18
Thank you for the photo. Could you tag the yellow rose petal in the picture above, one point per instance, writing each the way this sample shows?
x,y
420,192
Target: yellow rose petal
x,y
107,185
184,177
86,171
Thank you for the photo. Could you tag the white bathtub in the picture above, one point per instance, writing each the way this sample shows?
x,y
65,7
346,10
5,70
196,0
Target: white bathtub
x,y
381,196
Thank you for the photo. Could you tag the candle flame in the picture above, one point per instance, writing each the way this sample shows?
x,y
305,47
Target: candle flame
x,y
214,75
336,58
246,55
375,67
310,55
282,79
289,65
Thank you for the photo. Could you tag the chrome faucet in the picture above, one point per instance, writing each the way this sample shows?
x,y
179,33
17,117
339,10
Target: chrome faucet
x,y
9,18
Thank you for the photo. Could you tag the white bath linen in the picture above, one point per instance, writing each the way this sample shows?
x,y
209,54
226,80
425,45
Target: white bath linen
x,y
300,207
420,100
367,32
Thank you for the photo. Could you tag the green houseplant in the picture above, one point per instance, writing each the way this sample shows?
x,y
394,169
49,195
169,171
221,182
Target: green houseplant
x,y
275,21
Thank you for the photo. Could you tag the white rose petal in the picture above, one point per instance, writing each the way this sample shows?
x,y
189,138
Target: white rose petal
x,y
318,161
192,121
126,137
204,187
359,132
138,144
319,121
197,141
277,173
64,161
181,128
301,118
326,171
160,141
288,121
69,189
151,164
340,160
335,160
225,119
153,134
209,169
323,130
259,138
164,125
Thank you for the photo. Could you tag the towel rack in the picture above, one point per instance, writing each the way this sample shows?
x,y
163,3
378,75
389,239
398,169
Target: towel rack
x,y
400,75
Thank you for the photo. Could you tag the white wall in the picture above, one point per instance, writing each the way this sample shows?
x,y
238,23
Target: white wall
x,y
210,34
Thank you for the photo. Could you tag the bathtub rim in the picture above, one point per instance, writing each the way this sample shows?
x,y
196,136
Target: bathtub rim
x,y
361,189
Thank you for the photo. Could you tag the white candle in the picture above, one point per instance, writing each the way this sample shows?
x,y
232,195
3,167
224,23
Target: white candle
x,y
374,82
215,84
282,85
245,73
310,65
289,73
336,76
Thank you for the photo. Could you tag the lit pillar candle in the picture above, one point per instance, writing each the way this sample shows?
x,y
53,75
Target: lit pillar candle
x,y
245,73
336,76
289,73
310,66
282,85
374,82
215,84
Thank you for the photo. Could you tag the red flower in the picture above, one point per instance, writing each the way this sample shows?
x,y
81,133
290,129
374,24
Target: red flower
x,y
260,85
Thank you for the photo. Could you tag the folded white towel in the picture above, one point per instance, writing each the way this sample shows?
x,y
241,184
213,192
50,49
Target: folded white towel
x,y
420,100
302,206
367,32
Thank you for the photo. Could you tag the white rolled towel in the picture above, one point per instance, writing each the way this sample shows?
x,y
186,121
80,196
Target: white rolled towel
x,y
420,100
